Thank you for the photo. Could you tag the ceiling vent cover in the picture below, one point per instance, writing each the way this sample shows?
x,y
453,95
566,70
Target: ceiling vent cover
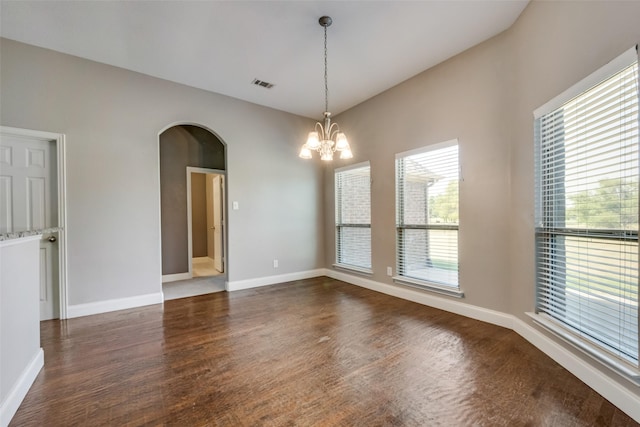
x,y
262,83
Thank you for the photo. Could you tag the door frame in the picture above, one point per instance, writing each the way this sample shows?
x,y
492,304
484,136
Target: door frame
x,y
59,140
190,170
218,211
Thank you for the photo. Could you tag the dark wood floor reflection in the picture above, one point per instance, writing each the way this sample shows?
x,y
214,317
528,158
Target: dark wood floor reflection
x,y
317,352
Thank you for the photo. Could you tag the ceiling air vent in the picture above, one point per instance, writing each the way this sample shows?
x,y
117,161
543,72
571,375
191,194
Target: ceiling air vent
x,y
262,83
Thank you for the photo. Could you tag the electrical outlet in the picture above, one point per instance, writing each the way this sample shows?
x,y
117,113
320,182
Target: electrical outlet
x,y
389,271
275,263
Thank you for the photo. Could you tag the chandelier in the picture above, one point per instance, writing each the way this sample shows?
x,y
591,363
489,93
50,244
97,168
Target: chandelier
x,y
326,139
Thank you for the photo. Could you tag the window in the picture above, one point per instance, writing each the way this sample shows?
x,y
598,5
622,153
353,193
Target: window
x,y
427,217
587,213
353,217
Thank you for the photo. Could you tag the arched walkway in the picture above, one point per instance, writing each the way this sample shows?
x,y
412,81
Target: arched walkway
x,y
191,158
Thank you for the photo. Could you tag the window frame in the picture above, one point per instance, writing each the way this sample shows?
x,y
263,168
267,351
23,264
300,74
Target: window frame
x,y
401,227
544,233
340,225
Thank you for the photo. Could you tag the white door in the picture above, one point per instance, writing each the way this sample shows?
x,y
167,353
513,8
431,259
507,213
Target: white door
x,y
218,198
26,168
49,298
28,201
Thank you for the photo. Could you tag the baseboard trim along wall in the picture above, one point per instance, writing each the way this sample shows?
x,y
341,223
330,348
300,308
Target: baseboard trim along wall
x,y
17,394
607,387
98,307
454,306
238,285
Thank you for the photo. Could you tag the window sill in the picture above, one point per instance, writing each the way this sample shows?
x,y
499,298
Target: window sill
x,y
354,269
428,286
620,366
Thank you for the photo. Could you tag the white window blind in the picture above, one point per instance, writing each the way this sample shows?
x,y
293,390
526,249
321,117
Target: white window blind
x,y
427,215
587,213
353,216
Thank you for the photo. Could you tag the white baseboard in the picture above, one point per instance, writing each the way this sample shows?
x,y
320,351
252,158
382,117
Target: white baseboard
x,y
610,389
175,277
19,390
620,396
88,309
272,280
443,303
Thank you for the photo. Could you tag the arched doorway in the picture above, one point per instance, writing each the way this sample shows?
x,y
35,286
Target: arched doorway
x,y
192,159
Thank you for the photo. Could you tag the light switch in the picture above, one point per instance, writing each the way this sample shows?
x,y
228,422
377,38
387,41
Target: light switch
x,y
235,206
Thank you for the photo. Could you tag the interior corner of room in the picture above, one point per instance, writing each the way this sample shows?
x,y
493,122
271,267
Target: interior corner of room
x,y
156,190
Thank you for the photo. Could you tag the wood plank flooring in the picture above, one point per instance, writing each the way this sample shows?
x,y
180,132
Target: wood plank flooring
x,y
317,352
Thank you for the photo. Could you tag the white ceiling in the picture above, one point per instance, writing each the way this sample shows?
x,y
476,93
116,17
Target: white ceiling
x,y
221,46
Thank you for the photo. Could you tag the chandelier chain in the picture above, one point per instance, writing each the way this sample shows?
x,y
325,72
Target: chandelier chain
x,y
326,85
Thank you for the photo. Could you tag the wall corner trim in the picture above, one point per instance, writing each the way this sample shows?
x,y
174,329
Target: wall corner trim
x,y
19,390
611,390
271,280
98,307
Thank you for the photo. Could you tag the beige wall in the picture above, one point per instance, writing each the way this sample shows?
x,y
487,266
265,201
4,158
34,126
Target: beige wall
x,y
111,119
464,99
485,98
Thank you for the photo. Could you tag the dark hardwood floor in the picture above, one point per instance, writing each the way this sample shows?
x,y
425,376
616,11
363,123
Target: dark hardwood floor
x,y
316,352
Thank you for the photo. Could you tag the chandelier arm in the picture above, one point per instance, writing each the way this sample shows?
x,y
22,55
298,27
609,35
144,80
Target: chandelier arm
x,y
333,131
321,131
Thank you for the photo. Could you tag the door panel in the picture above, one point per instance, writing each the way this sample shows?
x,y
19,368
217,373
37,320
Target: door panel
x,y
36,203
6,204
49,292
25,184
210,224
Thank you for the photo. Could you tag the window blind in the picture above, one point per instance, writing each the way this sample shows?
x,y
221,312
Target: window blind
x,y
587,213
427,215
353,216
